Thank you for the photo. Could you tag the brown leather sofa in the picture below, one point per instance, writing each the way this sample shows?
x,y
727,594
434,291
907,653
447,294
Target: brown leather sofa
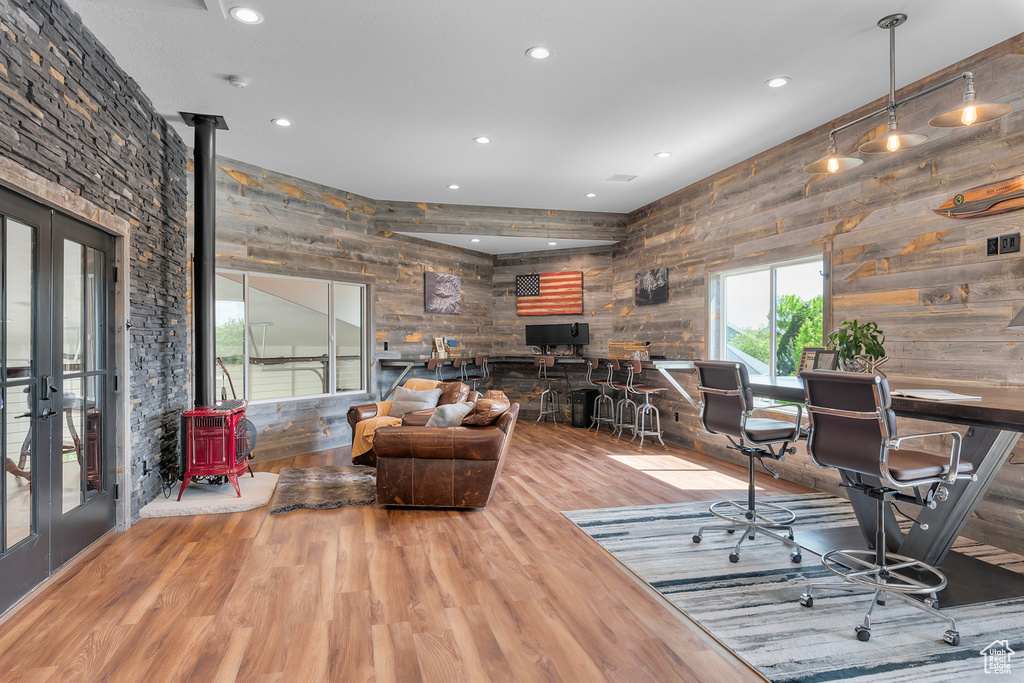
x,y
442,466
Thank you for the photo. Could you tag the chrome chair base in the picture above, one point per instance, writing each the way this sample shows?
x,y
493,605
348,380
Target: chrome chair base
x,y
860,572
604,413
765,518
549,398
644,423
621,423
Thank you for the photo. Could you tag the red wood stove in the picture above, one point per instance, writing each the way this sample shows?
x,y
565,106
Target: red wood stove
x,y
217,443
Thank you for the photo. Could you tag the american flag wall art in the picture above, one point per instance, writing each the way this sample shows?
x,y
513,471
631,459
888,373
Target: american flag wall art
x,y
550,293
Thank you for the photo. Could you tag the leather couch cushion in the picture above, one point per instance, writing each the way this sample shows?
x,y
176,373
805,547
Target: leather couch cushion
x,y
453,392
407,400
488,409
450,415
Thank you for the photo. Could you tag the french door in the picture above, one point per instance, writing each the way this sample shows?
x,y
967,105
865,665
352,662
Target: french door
x,y
56,374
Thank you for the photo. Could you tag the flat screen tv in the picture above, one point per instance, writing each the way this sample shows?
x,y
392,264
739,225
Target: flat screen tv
x,y
555,335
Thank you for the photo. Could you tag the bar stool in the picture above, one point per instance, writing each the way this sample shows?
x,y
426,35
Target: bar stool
x,y
436,365
624,403
647,414
548,397
604,405
459,365
484,372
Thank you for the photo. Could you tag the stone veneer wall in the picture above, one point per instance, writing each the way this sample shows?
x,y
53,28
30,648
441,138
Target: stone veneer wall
x,y
71,115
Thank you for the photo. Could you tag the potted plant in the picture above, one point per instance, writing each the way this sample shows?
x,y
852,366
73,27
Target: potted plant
x,y
860,345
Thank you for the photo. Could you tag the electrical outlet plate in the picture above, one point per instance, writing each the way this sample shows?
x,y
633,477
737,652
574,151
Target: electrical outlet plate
x,y
993,246
1009,244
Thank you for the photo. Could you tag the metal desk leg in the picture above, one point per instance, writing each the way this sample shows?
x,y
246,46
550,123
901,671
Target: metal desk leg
x,y
987,450
675,385
405,371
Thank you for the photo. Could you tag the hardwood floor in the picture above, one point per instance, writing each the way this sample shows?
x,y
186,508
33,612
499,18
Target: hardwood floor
x,y
513,592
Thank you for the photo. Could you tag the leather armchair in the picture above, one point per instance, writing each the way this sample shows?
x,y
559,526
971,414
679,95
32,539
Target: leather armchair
x,y
442,466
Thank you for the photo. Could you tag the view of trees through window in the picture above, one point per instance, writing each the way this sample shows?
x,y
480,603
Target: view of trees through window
x,y
770,315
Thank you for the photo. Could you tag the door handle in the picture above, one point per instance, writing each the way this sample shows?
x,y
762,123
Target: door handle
x,y
46,414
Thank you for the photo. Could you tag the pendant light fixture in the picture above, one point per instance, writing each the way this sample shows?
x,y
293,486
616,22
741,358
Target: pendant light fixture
x,y
833,162
893,140
971,112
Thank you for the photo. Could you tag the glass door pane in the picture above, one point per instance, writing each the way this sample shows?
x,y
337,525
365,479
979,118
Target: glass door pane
x,y
798,313
348,337
748,307
230,335
18,312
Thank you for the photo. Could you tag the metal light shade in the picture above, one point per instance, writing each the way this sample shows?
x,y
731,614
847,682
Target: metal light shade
x,y
985,112
844,163
1018,321
880,145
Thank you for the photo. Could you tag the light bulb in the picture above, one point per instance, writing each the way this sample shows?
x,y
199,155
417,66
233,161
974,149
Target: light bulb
x,y
893,143
970,115
833,164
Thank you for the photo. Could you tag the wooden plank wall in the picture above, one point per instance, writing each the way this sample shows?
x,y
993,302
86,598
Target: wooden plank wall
x,y
943,304
272,223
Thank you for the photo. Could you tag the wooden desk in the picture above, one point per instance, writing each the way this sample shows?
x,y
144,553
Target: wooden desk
x,y
994,424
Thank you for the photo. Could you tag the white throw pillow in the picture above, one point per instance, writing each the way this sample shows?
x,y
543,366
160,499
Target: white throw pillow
x,y
407,401
449,415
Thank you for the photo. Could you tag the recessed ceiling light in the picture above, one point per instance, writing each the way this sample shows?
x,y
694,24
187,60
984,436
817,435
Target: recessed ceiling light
x,y
284,123
482,139
539,52
777,82
591,194
663,155
552,244
475,239
453,186
246,15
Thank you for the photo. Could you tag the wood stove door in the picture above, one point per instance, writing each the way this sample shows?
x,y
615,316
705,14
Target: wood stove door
x,y
56,365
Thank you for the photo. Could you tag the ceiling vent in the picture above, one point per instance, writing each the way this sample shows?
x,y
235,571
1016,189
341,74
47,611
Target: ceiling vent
x,y
620,178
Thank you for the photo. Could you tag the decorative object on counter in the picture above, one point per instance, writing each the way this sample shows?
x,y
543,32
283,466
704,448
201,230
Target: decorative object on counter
x,y
632,350
651,287
439,345
807,357
970,112
986,200
818,358
859,346
550,293
442,293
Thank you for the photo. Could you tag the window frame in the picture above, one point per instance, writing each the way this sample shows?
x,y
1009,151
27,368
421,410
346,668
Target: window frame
x,y
717,313
332,364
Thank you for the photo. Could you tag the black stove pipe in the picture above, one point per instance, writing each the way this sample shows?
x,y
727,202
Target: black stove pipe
x,y
204,295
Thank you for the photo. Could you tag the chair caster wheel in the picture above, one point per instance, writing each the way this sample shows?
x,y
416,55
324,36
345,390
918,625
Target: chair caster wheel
x,y
795,558
734,557
730,531
790,535
696,538
863,634
807,600
952,637
932,602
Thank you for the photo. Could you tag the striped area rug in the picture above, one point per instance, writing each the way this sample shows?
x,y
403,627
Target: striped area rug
x,y
752,607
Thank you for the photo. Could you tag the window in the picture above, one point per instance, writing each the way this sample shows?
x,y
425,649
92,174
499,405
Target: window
x,y
275,336
763,317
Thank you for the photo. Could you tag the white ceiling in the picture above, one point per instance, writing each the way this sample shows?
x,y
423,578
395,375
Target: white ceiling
x,y
497,244
387,96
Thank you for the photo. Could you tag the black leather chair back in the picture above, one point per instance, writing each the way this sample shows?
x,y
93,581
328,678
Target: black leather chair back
x,y
723,414
849,442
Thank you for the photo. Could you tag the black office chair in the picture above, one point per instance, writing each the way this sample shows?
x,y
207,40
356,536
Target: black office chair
x,y
725,408
853,429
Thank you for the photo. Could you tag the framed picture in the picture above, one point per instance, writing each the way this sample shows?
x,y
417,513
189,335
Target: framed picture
x,y
442,293
807,357
651,287
439,344
826,360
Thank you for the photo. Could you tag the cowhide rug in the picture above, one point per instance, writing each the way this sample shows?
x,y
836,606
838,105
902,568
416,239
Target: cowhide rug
x,y
323,488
